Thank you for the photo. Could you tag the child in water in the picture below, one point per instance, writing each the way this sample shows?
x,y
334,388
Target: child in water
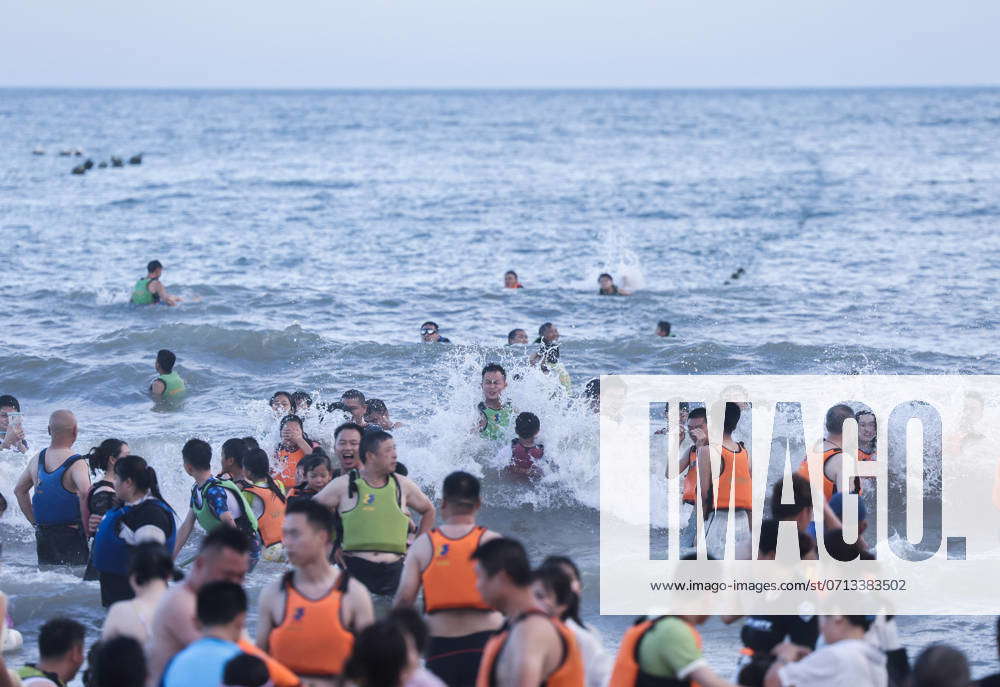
x,y
317,472
525,452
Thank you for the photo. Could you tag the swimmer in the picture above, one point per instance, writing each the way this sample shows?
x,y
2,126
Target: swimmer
x,y
10,414
429,333
510,280
525,452
282,403
150,290
459,620
221,610
517,336
548,334
167,383
377,414
608,288
354,402
663,329
60,652
331,606
533,648
494,414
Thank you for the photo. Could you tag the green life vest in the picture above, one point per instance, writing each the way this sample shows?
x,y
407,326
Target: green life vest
x,y
172,384
377,522
496,420
208,520
141,295
29,671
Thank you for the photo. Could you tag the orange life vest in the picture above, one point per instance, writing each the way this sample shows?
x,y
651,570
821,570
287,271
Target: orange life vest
x,y
569,673
280,675
311,639
288,461
626,671
271,520
449,580
829,486
691,478
735,468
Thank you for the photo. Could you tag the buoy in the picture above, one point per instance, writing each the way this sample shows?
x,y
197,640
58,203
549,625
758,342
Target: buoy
x,y
12,640
135,159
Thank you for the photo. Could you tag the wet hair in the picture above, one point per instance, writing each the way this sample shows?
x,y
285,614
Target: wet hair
x,y
510,272
410,621
512,334
8,401
698,413
141,473
348,425
801,493
151,561
732,417
940,665
461,490
555,578
258,465
375,405
299,396
495,367
371,441
564,561
544,329
198,454
297,420
235,449
119,661
602,275
225,537
316,514
287,395
153,265
664,327
432,324
245,670
505,555
353,394
166,360
527,425
316,459
100,456
836,416
220,602
380,655
58,637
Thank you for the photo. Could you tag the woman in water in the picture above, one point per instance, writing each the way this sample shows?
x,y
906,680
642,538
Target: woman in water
x,y
151,569
267,501
294,446
101,498
608,288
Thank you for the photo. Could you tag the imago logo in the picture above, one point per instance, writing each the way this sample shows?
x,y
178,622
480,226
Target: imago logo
x,y
799,494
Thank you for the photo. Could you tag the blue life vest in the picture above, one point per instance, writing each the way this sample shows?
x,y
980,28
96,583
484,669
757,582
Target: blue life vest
x,y
111,553
52,503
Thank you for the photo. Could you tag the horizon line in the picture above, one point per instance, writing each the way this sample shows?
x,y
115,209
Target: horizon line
x,y
501,89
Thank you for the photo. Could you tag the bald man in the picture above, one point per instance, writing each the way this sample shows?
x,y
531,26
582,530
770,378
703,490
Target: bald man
x,y
58,508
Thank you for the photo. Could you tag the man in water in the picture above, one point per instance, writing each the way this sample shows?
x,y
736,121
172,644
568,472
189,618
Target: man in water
x,y
429,333
510,280
150,290
221,610
373,507
833,452
346,447
308,617
168,384
377,415
60,655
224,555
608,288
58,508
663,328
517,336
533,649
735,488
459,620
354,402
548,334
494,414
11,436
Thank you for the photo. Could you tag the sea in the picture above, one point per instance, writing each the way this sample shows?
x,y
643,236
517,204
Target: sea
x,y
311,233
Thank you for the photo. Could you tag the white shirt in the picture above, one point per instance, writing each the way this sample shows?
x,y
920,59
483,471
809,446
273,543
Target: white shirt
x,y
847,663
597,662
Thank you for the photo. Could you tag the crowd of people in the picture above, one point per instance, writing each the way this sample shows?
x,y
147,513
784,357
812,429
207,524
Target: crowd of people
x,y
363,545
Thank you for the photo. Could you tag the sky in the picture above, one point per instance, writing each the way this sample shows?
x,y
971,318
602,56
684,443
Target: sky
x,y
498,43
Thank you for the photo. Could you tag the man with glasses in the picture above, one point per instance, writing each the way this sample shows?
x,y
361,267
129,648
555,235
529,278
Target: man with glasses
x,y
429,333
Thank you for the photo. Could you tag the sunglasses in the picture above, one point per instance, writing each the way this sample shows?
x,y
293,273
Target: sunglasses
x,y
425,332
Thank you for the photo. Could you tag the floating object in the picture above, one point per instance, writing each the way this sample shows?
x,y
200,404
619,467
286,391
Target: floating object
x,y
102,164
78,152
89,164
135,159
80,169
38,151
116,162
65,153
738,273
12,640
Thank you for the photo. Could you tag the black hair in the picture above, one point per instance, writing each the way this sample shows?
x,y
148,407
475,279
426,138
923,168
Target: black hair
x,y
348,425
433,324
410,621
697,413
166,360
258,465
287,395
151,561
119,661
198,454
510,272
753,673
371,441
291,417
301,396
836,416
153,265
380,655
220,602
375,405
801,493
235,449
732,417
314,460
461,489
58,636
318,515
8,401
225,537
543,329
840,550
593,389
512,334
251,443
862,621
141,473
806,544
555,578
602,275
664,327
100,456
354,394
505,555
527,425
564,561
768,537
495,367
940,665
245,670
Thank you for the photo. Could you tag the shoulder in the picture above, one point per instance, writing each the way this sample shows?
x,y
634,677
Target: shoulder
x,y
489,535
